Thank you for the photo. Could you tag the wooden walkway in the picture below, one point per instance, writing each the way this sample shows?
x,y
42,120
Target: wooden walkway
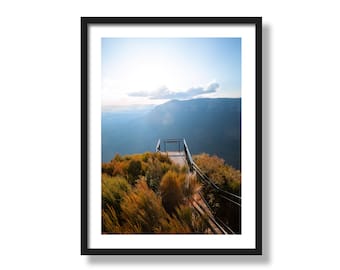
x,y
178,158
197,201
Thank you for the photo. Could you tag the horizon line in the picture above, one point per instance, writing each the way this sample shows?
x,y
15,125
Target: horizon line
x,y
120,106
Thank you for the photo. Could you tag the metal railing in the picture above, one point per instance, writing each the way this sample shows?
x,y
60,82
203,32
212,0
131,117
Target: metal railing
x,y
231,201
158,146
188,155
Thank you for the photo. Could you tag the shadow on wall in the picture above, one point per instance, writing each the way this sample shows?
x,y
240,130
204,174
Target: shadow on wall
x,y
265,259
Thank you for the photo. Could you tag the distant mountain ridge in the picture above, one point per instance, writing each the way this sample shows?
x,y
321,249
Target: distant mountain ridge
x,y
208,125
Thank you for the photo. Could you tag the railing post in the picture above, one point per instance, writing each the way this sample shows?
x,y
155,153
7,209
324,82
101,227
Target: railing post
x,y
188,155
158,146
231,222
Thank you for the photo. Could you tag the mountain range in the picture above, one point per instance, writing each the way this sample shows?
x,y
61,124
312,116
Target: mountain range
x,y
211,126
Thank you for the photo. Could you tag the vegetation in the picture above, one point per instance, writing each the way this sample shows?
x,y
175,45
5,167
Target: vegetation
x,y
147,193
171,189
226,178
143,212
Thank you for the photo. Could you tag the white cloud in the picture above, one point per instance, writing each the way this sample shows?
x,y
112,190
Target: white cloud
x,y
164,93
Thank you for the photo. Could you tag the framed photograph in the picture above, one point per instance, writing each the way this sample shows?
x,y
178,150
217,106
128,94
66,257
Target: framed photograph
x,y
171,136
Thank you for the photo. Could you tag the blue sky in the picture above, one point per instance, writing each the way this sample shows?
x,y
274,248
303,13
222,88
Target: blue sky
x,y
155,70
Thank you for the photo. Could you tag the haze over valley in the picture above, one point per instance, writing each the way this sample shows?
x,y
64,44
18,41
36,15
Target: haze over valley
x,y
209,125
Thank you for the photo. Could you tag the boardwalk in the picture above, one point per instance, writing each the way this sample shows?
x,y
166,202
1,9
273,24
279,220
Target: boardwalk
x,y
178,158
226,223
197,201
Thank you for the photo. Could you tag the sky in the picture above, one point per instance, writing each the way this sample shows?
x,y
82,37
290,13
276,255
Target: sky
x,y
138,71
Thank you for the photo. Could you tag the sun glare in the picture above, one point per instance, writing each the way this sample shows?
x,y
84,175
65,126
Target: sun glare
x,y
150,71
149,75
133,70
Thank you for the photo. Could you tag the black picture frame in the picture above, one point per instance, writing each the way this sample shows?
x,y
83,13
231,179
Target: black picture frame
x,y
86,22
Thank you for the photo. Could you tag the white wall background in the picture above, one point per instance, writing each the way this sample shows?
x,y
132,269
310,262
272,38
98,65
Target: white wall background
x,y
40,133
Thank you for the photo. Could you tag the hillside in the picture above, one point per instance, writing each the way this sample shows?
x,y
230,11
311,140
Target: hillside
x,y
148,193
